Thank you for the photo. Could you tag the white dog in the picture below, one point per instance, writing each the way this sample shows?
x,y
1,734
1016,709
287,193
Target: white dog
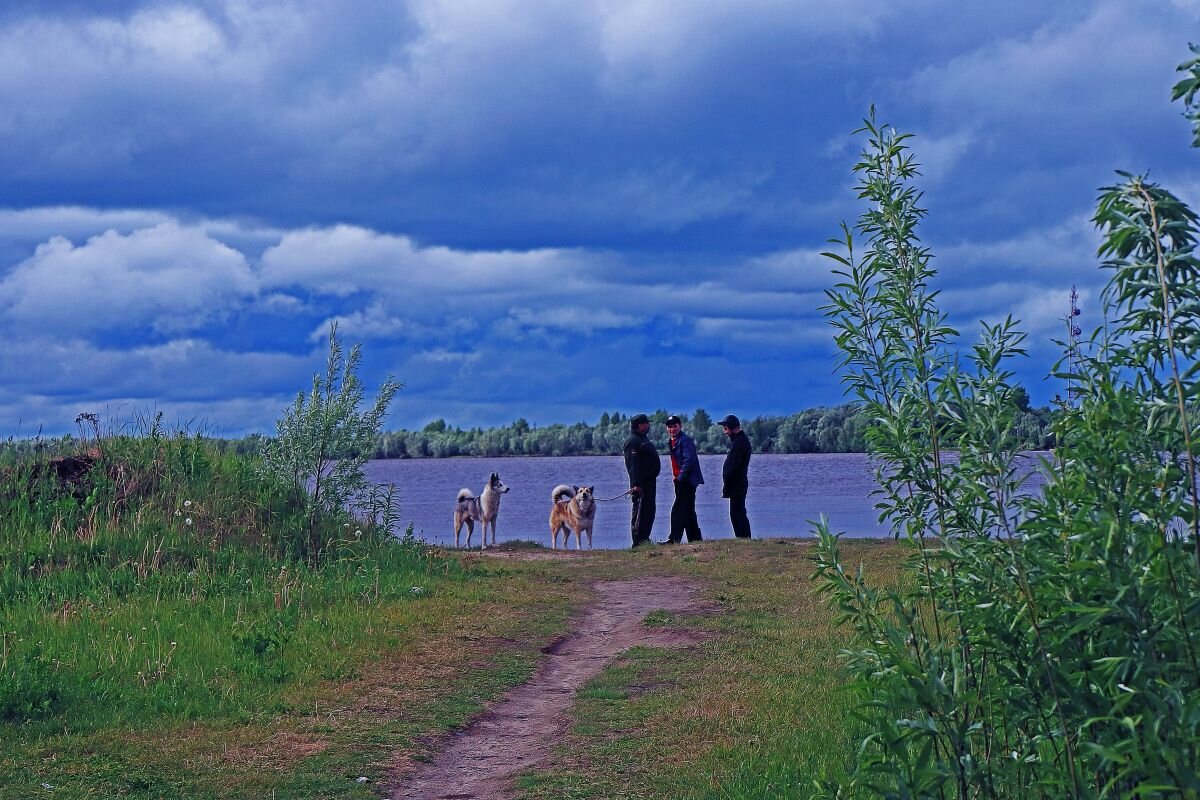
x,y
484,508
572,508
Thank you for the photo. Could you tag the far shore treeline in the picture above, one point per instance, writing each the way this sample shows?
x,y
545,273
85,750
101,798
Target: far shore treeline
x,y
838,429
813,431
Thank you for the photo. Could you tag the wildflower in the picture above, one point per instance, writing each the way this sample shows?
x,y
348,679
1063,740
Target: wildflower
x,y
187,503
178,513
358,534
417,590
187,521
345,524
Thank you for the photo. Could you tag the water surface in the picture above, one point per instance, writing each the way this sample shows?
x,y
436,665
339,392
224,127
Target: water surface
x,y
786,491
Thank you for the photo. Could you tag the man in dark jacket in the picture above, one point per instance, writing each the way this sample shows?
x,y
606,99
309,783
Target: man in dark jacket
x,y
685,466
643,464
735,475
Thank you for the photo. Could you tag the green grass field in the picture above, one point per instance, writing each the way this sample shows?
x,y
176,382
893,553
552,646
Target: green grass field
x,y
154,654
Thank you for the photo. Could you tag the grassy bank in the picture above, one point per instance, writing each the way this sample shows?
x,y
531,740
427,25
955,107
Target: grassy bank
x,y
170,630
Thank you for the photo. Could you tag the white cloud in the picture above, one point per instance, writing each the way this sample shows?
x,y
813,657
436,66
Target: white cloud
x,y
1065,251
74,222
377,321
171,34
1081,70
167,277
783,334
443,356
799,270
940,155
346,259
450,322
180,369
571,319
654,46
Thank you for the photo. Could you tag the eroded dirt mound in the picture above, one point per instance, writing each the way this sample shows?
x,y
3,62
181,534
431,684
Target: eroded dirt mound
x,y
517,733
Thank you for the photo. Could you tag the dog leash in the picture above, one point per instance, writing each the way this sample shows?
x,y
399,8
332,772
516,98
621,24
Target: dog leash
x,y
618,497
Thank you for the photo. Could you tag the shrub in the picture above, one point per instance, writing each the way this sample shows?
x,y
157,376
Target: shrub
x,y
1041,646
323,439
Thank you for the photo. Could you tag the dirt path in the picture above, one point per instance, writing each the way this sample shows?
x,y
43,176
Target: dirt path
x,y
518,732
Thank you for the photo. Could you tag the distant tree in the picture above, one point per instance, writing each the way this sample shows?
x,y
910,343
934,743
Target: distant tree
x,y
839,429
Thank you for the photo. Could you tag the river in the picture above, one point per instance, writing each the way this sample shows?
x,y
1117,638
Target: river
x,y
786,492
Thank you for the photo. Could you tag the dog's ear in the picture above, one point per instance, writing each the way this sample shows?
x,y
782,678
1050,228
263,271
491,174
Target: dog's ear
x,y
574,488
495,478
592,489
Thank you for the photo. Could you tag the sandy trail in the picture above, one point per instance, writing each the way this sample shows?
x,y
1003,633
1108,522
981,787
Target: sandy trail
x,y
518,732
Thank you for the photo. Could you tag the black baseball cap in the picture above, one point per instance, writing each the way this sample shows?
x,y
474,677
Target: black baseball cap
x,y
730,421
674,420
638,419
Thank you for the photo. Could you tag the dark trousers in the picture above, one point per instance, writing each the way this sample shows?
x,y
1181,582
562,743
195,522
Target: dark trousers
x,y
737,515
683,513
641,522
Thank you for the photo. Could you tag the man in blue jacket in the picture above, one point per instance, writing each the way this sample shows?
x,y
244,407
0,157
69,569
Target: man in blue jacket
x,y
685,465
735,480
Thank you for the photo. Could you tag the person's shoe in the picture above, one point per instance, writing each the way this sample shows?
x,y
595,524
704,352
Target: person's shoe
x,y
668,541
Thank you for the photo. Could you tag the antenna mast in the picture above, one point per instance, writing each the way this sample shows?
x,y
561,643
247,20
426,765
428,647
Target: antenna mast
x,y
1073,359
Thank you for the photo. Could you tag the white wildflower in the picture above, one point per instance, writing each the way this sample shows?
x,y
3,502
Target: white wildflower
x,y
187,503
187,521
417,590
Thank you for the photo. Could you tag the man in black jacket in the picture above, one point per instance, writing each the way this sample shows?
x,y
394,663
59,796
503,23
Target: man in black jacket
x,y
735,481
642,463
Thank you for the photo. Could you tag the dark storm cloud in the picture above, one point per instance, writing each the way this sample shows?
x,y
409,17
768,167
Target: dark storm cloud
x,y
534,209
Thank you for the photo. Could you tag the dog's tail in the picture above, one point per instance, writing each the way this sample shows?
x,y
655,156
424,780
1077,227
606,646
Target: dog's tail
x,y
562,492
465,494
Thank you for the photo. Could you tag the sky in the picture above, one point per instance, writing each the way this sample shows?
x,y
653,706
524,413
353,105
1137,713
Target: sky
x,y
536,209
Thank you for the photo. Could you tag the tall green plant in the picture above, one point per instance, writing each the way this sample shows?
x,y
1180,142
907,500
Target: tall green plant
x,y
323,439
1044,644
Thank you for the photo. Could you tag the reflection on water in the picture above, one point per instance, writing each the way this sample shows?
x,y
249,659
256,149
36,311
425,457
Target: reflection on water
x,y
786,493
